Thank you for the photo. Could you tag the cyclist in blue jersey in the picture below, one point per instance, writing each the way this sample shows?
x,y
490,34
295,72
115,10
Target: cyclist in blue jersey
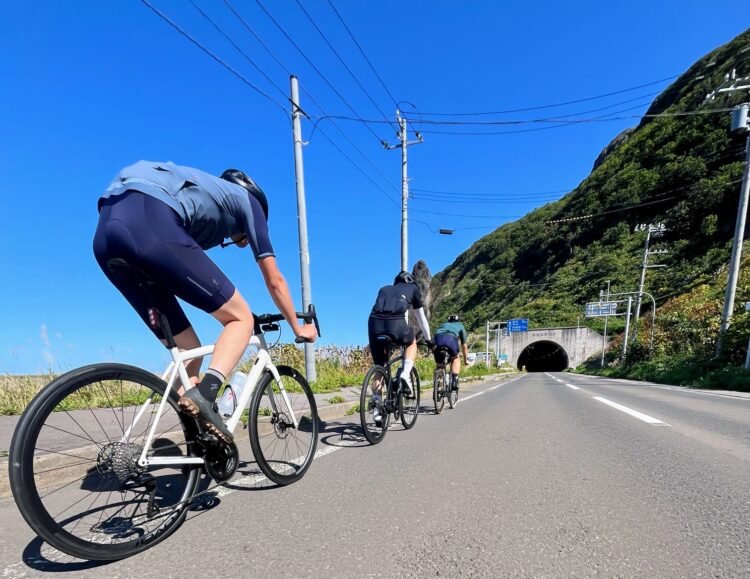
x,y
160,218
448,336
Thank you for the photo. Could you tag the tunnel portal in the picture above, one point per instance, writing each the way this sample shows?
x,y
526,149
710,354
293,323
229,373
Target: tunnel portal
x,y
543,356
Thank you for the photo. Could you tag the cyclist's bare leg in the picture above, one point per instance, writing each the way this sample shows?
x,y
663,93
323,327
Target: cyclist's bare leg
x,y
456,365
237,320
188,340
410,355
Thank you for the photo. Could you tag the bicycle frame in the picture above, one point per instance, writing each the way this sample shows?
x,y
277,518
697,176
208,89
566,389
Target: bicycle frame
x,y
177,371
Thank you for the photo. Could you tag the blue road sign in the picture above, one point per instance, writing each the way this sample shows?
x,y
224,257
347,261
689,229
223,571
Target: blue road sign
x,y
518,325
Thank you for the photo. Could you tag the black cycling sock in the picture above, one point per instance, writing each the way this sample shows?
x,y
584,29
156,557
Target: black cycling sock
x,y
209,386
454,379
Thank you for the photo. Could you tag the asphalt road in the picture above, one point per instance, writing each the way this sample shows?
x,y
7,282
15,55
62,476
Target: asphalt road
x,y
525,478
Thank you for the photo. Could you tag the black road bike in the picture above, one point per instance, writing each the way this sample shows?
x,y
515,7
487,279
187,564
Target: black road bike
x,y
393,398
442,389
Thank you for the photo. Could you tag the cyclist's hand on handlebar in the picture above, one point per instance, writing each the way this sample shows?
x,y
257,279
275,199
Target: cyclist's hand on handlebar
x,y
430,345
306,333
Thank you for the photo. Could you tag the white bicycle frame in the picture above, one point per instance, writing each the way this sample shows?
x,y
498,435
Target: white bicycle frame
x,y
176,370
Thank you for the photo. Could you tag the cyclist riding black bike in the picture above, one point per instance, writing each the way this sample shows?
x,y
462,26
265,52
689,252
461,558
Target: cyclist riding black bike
x,y
159,218
389,318
448,336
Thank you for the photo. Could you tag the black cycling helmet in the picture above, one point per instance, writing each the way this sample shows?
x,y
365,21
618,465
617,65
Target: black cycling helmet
x,y
239,178
403,277
453,318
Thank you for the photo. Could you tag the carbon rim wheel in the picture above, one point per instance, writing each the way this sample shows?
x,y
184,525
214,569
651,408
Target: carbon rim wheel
x,y
283,451
409,407
374,432
452,398
74,472
438,390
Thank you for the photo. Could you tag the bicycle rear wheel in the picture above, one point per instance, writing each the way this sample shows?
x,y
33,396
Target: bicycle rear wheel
x,y
408,407
376,380
283,452
438,390
452,395
73,463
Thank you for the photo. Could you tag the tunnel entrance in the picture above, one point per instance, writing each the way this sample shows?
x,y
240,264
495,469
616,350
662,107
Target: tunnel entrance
x,y
543,356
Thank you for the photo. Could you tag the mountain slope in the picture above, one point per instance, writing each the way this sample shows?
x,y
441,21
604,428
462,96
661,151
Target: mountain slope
x,y
683,171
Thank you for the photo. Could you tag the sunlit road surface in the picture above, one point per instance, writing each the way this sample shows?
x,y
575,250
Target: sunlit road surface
x,y
546,475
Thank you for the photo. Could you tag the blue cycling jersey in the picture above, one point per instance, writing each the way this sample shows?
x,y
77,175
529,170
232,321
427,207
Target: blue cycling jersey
x,y
211,208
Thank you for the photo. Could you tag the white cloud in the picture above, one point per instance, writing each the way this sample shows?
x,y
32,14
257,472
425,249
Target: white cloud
x,y
45,336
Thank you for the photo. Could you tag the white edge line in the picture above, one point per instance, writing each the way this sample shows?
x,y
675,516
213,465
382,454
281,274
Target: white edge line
x,y
572,386
634,413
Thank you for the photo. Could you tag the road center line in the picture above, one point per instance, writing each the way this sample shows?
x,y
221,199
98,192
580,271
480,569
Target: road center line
x,y
635,413
572,386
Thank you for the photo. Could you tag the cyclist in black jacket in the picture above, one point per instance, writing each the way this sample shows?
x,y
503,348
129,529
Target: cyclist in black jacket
x,y
389,318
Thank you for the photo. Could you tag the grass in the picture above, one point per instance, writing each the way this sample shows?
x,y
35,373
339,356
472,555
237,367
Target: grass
x,y
680,371
337,367
336,400
353,410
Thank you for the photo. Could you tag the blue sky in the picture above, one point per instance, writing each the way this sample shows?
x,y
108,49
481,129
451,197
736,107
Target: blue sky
x,y
87,87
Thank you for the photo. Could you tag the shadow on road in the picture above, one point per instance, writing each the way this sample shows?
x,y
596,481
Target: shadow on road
x,y
55,562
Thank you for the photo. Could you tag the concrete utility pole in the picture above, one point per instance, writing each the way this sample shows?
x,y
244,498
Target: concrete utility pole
x,y
606,319
487,345
304,253
627,328
733,84
655,230
403,145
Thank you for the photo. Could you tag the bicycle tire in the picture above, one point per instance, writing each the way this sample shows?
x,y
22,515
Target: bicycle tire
x,y
410,411
452,397
274,432
24,459
438,390
372,432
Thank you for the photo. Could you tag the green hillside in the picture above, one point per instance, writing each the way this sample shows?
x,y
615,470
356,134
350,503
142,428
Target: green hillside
x,y
682,170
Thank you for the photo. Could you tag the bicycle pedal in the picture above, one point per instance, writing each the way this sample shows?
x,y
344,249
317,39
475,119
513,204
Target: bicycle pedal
x,y
208,438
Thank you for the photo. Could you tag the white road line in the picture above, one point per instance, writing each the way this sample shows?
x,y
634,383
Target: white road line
x,y
572,386
635,413
683,389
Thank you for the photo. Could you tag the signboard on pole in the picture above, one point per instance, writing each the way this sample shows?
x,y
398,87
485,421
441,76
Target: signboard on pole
x,y
599,309
518,325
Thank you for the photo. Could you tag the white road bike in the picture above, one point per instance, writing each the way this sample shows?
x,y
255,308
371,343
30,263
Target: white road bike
x,y
103,464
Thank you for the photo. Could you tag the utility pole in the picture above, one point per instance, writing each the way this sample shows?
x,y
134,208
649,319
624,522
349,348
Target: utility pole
x,y
627,328
733,84
652,230
304,253
487,345
403,145
606,319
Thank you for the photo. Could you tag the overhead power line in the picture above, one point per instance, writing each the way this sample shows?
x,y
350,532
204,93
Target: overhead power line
x,y
553,105
652,202
362,52
341,60
313,65
239,49
273,55
213,56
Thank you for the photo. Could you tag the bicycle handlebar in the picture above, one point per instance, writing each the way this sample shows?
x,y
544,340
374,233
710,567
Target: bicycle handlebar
x,y
308,317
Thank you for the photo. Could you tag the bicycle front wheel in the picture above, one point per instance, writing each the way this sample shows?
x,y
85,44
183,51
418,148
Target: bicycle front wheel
x,y
408,406
74,467
373,414
438,390
283,451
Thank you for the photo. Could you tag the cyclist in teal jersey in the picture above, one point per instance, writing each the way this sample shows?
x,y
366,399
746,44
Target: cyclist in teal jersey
x,y
448,336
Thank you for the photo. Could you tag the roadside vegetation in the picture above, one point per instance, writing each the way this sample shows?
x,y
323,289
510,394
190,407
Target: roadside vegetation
x,y
684,348
337,367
